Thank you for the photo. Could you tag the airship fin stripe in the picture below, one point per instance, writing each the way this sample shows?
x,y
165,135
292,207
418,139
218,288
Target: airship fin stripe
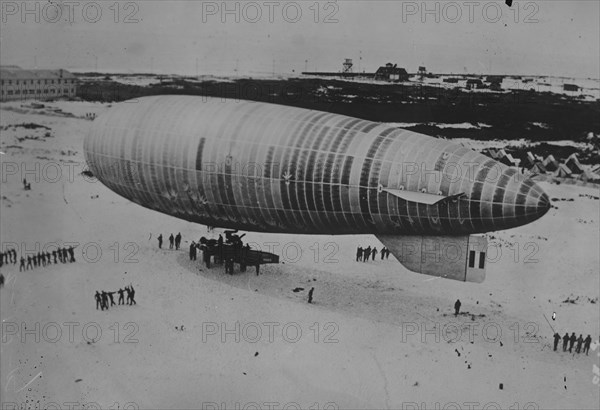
x,y
412,196
422,197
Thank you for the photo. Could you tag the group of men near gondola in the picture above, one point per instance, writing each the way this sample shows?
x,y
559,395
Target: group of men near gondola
x,y
102,298
570,341
363,254
174,241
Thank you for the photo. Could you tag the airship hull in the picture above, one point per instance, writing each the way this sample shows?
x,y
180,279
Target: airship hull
x,y
271,168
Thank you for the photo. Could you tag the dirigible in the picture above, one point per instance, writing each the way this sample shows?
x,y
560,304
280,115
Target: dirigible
x,y
264,167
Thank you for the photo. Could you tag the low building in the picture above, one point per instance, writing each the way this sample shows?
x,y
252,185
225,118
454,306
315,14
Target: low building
x,y
570,87
474,83
19,84
390,72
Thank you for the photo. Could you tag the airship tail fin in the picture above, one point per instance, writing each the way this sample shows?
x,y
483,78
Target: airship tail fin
x,y
460,258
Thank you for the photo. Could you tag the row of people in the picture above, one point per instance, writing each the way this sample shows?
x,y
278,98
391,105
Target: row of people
x,y
10,256
363,254
173,241
570,341
103,297
62,255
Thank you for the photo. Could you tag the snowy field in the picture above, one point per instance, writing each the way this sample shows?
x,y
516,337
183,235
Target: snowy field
x,y
377,336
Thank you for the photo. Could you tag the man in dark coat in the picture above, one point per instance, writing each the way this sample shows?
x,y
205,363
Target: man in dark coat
x,y
556,340
110,295
565,341
366,254
171,240
98,301
193,251
121,296
587,343
457,307
359,252
105,300
572,342
579,343
160,239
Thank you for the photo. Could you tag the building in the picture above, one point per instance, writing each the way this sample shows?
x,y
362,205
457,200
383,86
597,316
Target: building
x,y
570,87
390,72
20,84
474,83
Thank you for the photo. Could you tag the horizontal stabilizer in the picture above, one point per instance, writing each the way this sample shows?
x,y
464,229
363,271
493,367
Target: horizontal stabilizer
x,y
452,257
421,197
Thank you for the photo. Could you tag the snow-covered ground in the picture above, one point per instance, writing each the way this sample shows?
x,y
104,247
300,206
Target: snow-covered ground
x,y
377,336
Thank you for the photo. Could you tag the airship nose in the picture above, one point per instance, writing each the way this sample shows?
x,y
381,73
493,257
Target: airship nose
x,y
511,200
537,202
531,202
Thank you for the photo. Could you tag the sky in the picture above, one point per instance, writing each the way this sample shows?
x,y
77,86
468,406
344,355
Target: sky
x,y
559,38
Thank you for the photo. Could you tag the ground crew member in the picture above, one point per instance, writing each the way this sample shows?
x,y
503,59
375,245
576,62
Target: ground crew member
x,y
310,295
556,340
586,346
572,342
565,341
579,343
105,299
110,295
366,254
457,307
98,301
